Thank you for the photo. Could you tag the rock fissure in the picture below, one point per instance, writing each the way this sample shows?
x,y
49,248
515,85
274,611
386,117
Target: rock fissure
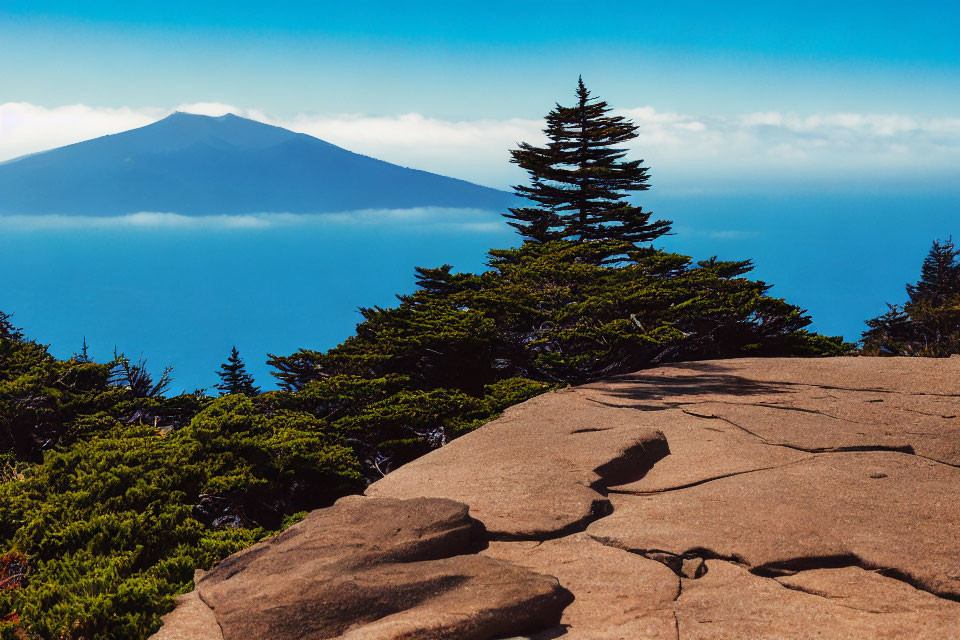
x,y
207,605
784,407
819,594
928,413
794,566
943,462
873,390
904,449
710,416
601,509
700,482
674,560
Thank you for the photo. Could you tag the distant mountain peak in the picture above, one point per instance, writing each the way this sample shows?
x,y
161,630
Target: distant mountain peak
x,y
196,164
187,115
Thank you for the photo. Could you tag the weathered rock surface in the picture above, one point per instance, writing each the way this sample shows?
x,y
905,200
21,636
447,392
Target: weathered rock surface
x,y
371,568
191,620
879,510
756,498
618,594
729,603
538,471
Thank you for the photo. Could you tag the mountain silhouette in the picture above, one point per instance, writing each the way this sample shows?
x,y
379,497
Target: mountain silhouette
x,y
201,165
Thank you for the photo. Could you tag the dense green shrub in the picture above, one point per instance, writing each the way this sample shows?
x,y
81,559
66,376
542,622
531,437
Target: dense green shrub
x,y
114,525
550,312
110,518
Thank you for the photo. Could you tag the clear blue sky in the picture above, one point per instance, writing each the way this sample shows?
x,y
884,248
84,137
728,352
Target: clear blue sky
x,y
485,60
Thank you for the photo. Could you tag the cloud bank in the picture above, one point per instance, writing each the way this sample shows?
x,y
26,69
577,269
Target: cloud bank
x,y
421,219
684,150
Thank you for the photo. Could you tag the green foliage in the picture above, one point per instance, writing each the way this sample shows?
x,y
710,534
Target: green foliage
x,y
579,181
137,379
42,398
234,377
929,323
129,492
549,312
114,526
7,330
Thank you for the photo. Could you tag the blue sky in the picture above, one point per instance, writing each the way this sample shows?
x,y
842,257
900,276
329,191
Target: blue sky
x,y
762,94
460,60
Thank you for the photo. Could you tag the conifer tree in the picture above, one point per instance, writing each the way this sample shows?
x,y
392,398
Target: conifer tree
x,y
7,330
234,377
939,275
580,181
929,323
84,355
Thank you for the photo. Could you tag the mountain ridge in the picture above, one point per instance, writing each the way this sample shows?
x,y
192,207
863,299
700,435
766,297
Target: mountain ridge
x,y
203,165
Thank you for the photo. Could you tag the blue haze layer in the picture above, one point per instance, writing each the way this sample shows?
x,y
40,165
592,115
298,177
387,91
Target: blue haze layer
x,y
184,296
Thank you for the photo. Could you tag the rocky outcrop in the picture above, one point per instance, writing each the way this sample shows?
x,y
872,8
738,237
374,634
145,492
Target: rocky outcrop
x,y
761,498
369,568
541,470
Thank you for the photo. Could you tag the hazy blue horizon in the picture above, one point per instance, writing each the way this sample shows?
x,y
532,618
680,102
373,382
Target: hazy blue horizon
x,y
183,295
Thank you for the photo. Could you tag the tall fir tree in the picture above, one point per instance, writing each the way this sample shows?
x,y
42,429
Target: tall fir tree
x,y
84,355
939,275
929,323
234,377
580,180
7,330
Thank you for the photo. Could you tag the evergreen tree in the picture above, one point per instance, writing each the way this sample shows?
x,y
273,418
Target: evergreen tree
x,y
929,323
7,330
84,355
890,332
939,275
234,377
580,180
135,377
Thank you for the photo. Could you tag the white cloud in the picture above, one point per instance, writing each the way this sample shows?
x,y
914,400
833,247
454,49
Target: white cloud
x,y
210,109
415,219
27,128
684,150
476,150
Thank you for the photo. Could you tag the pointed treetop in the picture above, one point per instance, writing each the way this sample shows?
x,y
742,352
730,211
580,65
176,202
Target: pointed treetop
x,y
580,181
7,330
939,275
234,377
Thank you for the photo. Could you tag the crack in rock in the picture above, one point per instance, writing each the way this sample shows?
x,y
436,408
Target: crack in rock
x,y
634,462
809,563
675,562
705,480
690,564
711,416
833,599
601,508
904,449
